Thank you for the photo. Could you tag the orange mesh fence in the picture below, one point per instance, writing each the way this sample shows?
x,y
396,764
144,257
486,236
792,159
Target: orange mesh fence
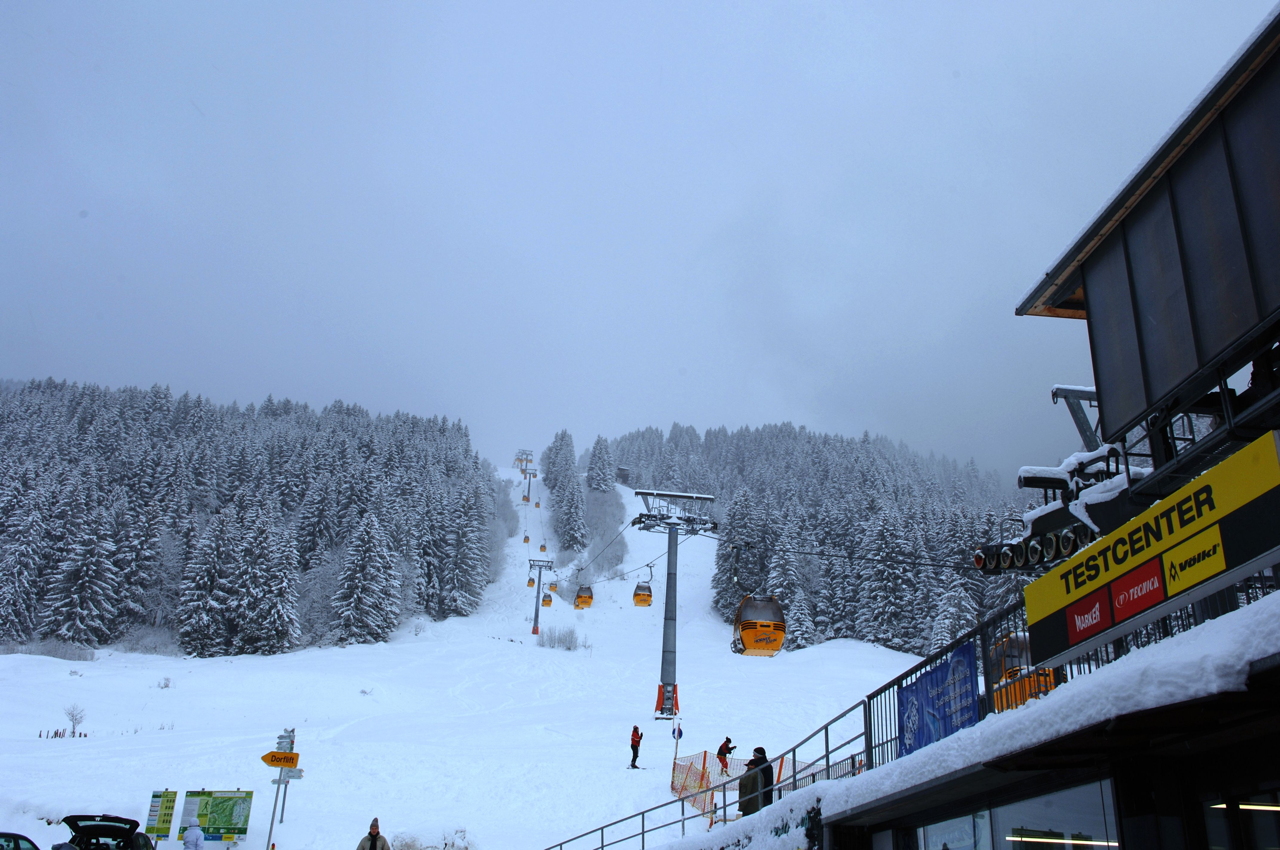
x,y
693,776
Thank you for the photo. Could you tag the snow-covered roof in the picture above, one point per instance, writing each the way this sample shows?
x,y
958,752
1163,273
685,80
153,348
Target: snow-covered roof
x,y
1212,658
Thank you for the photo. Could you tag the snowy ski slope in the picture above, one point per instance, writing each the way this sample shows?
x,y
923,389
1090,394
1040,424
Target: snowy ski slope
x,y
463,724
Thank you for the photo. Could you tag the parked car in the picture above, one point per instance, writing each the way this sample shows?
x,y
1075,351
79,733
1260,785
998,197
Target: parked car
x,y
106,832
14,841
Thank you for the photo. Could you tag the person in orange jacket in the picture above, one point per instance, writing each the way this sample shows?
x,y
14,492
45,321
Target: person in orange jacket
x,y
636,735
723,754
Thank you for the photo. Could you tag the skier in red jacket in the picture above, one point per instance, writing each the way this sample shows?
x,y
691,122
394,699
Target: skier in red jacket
x,y
723,754
636,735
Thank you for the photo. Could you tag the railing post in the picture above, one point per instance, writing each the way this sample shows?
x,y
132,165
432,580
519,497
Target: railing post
x,y
867,736
682,817
642,831
602,838
826,750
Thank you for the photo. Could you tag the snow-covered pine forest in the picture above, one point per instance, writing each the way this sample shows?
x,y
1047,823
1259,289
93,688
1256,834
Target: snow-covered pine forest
x,y
236,531
798,510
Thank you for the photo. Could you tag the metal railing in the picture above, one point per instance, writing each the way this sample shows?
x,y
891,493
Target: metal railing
x,y
1006,679
811,760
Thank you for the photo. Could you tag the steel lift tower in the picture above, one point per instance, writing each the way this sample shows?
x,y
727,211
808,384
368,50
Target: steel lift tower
x,y
676,514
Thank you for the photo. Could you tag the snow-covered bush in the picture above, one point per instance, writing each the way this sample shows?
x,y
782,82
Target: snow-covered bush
x,y
560,637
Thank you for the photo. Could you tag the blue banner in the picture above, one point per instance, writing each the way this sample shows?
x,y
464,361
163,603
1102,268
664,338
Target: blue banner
x,y
943,700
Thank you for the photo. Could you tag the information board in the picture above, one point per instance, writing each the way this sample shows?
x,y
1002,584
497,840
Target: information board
x,y
942,701
223,815
1212,531
160,814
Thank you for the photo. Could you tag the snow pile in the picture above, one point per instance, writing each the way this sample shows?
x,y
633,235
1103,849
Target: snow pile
x,y
1212,658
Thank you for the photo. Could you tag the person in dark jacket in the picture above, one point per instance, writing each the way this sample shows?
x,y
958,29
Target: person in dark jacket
x,y
375,840
760,764
636,736
723,754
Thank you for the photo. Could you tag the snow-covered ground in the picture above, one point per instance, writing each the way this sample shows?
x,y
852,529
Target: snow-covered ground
x,y
464,724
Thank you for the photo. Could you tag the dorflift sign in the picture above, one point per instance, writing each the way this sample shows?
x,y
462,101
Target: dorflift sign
x,y
1220,527
942,701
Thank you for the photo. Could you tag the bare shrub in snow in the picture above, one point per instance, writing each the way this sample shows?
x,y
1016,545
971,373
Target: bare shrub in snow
x,y
164,683
457,840
559,637
75,714
150,640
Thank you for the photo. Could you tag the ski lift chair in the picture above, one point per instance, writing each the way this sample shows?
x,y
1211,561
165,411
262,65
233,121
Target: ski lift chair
x,y
546,600
643,595
584,597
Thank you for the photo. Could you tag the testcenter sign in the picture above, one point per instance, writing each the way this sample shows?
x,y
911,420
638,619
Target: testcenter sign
x,y
1221,526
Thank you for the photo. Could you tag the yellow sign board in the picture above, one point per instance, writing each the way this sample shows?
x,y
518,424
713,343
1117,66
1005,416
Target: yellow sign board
x,y
1194,561
1221,520
275,758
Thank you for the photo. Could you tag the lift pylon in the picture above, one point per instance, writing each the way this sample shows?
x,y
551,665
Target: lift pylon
x,y
675,514
534,563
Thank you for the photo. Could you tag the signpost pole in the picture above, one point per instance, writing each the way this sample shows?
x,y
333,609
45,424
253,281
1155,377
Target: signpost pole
x,y
272,823
285,801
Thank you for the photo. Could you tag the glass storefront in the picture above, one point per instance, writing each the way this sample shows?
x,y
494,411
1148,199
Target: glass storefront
x,y
1245,823
1079,817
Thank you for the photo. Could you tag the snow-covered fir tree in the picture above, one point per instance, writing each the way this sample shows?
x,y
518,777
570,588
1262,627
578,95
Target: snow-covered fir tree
x,y
202,614
788,584
463,588
369,591
567,514
86,592
20,560
601,472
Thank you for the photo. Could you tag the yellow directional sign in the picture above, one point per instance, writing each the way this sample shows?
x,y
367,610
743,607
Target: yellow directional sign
x,y
275,758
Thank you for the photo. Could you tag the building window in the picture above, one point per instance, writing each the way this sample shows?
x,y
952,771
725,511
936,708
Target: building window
x,y
971,832
1077,818
1243,823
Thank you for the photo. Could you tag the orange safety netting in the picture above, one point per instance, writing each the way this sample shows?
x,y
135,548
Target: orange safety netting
x,y
693,776
696,774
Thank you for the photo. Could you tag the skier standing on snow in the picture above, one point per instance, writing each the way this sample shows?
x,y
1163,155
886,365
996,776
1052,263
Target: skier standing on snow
x,y
636,736
723,754
193,836
375,840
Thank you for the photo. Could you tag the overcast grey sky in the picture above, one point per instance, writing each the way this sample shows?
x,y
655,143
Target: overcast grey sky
x,y
598,216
